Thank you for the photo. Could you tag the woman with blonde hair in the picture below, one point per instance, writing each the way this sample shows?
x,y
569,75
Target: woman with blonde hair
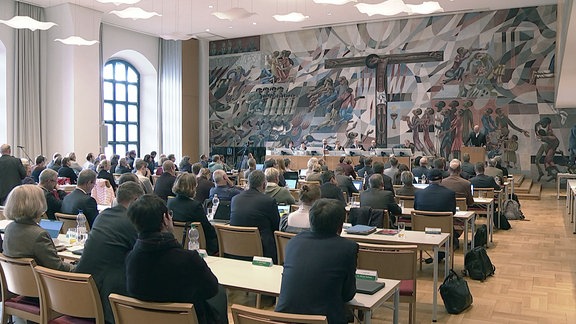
x,y
24,238
298,221
185,209
204,185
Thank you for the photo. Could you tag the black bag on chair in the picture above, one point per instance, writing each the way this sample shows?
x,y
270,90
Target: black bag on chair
x,y
455,293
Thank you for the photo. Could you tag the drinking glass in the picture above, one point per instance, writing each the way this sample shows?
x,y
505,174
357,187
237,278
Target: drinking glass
x,y
71,235
210,215
401,229
402,204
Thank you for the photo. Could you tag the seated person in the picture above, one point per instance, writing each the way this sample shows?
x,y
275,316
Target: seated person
x,y
344,182
104,173
143,174
122,167
204,185
407,188
281,194
80,198
329,188
66,171
165,182
185,209
48,181
158,269
378,198
320,266
24,238
110,240
224,188
298,220
253,208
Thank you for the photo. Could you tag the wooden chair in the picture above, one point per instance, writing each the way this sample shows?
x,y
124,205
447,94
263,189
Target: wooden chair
x,y
69,221
295,194
239,242
310,183
404,258
248,315
129,310
2,213
17,277
408,201
443,220
461,203
282,239
74,295
180,231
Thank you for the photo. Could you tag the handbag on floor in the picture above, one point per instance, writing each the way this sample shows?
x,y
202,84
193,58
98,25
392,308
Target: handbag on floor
x,y
455,293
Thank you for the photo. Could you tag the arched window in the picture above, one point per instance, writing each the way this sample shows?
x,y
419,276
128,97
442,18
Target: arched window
x,y
121,107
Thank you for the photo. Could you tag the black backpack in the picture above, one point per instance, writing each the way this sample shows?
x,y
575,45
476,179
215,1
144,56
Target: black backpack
x,y
477,264
481,236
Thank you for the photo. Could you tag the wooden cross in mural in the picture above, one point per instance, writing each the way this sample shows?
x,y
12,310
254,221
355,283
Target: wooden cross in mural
x,y
380,63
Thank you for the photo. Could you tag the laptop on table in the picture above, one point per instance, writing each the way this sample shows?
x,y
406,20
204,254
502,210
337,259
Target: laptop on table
x,y
53,228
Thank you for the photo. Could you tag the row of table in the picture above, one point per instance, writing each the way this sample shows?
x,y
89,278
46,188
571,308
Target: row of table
x,y
571,200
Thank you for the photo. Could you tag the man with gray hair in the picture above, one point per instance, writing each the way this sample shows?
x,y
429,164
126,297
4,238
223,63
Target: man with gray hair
x,y
422,169
13,172
280,194
492,171
458,184
111,238
80,198
48,181
224,188
253,208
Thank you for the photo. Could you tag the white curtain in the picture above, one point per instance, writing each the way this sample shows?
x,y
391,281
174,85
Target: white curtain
x,y
27,126
170,98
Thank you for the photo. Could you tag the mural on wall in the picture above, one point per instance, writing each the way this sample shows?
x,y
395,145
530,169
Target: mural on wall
x,y
496,70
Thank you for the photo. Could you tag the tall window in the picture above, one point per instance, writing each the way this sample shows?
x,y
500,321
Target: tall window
x,y
121,107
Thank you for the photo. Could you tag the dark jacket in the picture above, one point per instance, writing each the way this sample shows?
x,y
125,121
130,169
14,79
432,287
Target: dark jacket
x,y
78,200
158,269
380,199
185,209
11,175
253,208
68,172
435,198
484,181
103,174
346,185
53,201
105,251
319,276
163,185
203,189
332,191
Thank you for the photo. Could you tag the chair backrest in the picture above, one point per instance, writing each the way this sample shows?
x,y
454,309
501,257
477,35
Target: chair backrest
x,y
461,203
238,241
129,310
408,201
180,231
378,257
310,183
68,293
282,239
484,192
295,194
248,315
19,275
69,221
422,219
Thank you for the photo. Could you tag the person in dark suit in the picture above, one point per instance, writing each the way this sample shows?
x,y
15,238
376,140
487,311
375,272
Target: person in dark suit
x,y
346,164
48,180
158,269
319,267
344,182
66,171
164,183
408,188
325,145
476,138
80,198
467,167
186,209
379,169
204,185
13,172
481,180
422,169
110,240
104,173
367,170
254,208
225,188
330,188
378,198
437,198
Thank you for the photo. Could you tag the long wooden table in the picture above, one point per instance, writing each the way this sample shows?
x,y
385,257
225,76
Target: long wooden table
x,y
423,241
298,162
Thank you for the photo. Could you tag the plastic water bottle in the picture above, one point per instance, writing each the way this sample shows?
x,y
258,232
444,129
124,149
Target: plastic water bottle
x,y
193,237
423,178
81,227
215,203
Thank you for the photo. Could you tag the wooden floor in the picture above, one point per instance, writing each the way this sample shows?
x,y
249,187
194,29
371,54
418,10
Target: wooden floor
x,y
534,280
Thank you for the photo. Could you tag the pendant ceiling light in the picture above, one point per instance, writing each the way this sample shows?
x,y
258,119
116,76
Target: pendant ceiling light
x,y
119,2
134,13
25,22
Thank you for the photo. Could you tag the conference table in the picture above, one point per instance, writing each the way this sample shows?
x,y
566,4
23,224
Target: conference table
x,y
424,242
244,275
571,200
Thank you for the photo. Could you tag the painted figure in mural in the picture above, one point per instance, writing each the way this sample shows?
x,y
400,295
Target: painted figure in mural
x,y
457,70
572,146
438,120
510,148
414,125
550,142
426,121
445,134
467,119
502,121
284,66
488,123
456,128
348,103
480,69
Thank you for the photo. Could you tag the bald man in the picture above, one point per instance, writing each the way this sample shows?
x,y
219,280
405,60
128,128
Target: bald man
x,y
476,138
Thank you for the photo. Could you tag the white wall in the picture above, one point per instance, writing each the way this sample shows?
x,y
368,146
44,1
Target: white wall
x,y
142,52
6,72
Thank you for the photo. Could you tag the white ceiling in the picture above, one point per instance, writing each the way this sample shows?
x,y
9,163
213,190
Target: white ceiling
x,y
194,17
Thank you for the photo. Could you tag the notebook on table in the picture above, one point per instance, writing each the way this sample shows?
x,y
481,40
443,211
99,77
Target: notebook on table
x,y
361,229
369,287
